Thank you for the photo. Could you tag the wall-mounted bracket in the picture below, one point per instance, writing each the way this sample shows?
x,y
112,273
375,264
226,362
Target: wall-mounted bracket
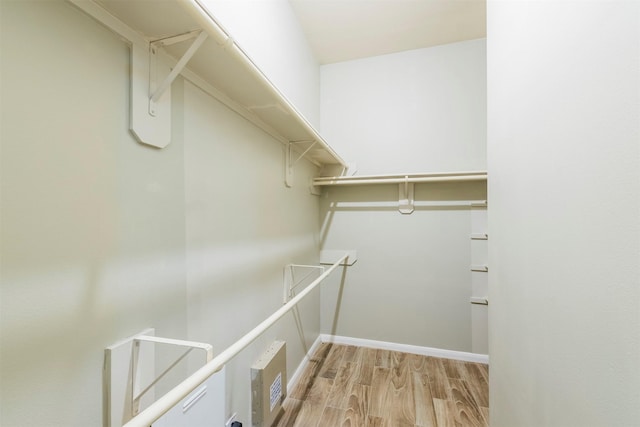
x,y
479,300
150,99
157,90
292,158
291,281
405,197
191,345
129,374
479,236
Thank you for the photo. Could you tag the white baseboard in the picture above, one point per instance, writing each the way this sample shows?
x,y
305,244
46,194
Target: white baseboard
x,y
293,379
407,348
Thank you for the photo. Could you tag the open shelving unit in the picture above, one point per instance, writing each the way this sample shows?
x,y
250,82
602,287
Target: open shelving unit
x,y
406,183
205,53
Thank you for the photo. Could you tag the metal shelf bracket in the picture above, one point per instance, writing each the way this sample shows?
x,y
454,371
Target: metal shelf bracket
x,y
150,99
405,197
291,282
157,90
291,160
129,374
190,345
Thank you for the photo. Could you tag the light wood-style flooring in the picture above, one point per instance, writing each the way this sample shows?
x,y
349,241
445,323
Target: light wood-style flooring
x,y
347,386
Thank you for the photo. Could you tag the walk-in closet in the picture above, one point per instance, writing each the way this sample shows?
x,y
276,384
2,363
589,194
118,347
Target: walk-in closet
x,y
318,213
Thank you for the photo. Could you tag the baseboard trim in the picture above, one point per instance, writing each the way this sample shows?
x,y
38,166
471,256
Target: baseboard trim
x,y
293,379
407,348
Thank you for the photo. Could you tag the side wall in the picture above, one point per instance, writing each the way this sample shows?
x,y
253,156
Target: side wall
x,y
103,237
242,227
93,224
270,34
416,111
564,197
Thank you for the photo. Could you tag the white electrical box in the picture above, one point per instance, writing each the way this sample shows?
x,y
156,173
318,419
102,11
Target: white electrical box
x,y
269,385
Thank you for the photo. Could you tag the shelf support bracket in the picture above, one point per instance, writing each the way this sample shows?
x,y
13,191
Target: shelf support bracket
x,y
150,100
290,282
190,345
405,197
290,162
156,92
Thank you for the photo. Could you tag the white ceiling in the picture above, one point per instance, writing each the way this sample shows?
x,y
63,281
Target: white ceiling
x,y
341,30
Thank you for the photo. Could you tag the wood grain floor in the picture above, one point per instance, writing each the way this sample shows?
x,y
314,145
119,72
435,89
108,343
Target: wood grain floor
x,y
346,386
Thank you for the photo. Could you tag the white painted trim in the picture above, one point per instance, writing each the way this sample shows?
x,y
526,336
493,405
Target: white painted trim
x,y
293,379
407,348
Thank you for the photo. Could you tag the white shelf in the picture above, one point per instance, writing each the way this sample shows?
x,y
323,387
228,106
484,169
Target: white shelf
x,y
218,66
401,178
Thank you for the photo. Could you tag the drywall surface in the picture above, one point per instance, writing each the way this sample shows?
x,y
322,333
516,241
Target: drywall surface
x,y
412,281
103,237
417,111
564,218
243,226
93,225
270,34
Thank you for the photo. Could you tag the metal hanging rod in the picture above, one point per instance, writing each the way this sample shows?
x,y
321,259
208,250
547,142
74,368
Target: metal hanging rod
x,y
175,395
401,179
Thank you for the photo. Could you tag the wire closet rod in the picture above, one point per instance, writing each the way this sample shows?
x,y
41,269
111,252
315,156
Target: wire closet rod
x,y
401,178
182,390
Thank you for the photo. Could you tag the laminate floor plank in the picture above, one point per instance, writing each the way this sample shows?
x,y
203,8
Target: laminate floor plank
x,y
313,406
425,414
347,386
331,417
485,414
378,394
438,380
357,407
332,362
400,407
453,368
478,384
321,353
483,369
418,363
339,395
467,411
392,423
445,413
350,354
399,359
383,358
374,421
301,389
291,409
366,363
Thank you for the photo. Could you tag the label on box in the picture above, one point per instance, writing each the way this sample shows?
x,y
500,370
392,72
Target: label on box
x,y
275,391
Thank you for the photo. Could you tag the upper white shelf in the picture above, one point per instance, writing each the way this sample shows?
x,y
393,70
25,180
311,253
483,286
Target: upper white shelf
x,y
218,63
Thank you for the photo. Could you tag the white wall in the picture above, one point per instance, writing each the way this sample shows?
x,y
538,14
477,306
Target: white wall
x,y
103,237
416,111
268,31
243,226
564,218
93,227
